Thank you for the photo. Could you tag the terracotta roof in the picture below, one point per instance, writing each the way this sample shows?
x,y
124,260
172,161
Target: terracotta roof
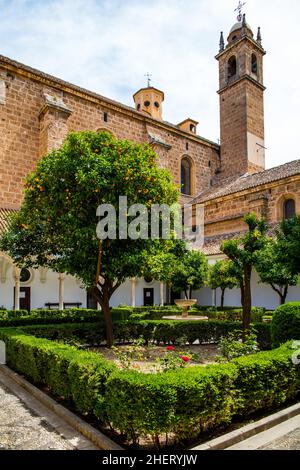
x,y
4,215
212,244
235,185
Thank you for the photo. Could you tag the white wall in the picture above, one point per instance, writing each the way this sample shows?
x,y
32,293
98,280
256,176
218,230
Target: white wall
x,y
123,293
262,295
43,292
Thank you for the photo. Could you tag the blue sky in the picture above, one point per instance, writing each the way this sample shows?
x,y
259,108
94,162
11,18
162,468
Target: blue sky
x,y
108,45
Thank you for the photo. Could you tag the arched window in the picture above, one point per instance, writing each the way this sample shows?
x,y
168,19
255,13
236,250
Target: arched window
x,y
186,176
289,209
232,67
254,64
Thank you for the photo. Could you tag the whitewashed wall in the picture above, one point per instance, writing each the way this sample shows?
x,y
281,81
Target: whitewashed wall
x,y
46,290
262,295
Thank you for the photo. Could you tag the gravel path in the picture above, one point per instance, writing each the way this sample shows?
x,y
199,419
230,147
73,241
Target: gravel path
x,y
26,424
290,441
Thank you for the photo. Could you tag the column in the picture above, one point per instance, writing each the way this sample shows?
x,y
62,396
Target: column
x,y
61,290
17,272
161,294
133,291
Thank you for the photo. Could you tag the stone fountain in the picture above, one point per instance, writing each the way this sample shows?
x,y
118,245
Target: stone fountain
x,y
185,304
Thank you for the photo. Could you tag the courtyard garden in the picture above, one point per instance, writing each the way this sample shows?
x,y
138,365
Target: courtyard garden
x,y
165,382
147,376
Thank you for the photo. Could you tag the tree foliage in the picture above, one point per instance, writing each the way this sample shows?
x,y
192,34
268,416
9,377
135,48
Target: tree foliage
x,y
190,273
161,265
243,252
223,274
288,237
274,270
56,226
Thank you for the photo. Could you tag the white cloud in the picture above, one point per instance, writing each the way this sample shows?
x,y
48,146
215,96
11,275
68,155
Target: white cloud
x,y
108,45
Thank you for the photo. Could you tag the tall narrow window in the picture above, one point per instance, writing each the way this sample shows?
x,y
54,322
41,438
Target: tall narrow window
x,y
289,209
186,173
254,64
232,67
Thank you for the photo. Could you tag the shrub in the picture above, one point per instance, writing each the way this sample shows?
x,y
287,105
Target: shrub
x,y
188,401
183,402
121,314
159,331
232,346
49,316
12,314
286,323
75,375
266,380
46,316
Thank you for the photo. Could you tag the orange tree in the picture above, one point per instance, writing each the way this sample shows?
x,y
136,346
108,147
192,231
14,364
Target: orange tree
x,y
56,226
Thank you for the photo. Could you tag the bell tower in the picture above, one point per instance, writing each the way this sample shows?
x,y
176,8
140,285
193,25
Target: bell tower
x,y
241,93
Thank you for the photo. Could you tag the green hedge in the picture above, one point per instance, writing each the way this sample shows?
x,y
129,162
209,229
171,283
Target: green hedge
x,y
47,316
266,379
226,314
75,375
12,314
286,323
182,403
188,401
159,331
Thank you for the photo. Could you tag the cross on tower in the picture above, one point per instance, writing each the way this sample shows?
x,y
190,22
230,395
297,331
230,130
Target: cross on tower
x,y
148,75
239,9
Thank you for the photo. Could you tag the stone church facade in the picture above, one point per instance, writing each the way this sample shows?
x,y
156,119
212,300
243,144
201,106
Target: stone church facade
x,y
37,111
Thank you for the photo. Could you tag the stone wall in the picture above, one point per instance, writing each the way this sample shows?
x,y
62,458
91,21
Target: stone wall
x,y
38,111
224,214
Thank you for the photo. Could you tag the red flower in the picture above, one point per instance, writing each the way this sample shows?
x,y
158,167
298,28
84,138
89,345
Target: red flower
x,y
170,348
185,358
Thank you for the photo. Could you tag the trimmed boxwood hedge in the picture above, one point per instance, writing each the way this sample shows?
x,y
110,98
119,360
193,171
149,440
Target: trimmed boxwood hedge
x,y
75,375
159,331
286,323
191,400
183,402
47,316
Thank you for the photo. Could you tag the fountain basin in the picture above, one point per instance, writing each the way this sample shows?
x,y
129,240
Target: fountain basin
x,y
185,304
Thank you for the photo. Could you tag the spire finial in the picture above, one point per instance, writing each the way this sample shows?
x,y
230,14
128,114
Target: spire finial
x,y
148,76
239,9
258,39
222,43
244,20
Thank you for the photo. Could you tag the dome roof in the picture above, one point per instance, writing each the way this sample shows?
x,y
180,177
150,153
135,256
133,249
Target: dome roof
x,y
237,26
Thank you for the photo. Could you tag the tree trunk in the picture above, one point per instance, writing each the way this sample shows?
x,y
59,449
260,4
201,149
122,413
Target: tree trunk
x,y
283,295
282,292
103,300
222,297
247,303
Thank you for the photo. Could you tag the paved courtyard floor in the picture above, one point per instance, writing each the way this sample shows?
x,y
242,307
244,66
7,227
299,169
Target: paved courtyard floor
x,y
284,436
26,424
